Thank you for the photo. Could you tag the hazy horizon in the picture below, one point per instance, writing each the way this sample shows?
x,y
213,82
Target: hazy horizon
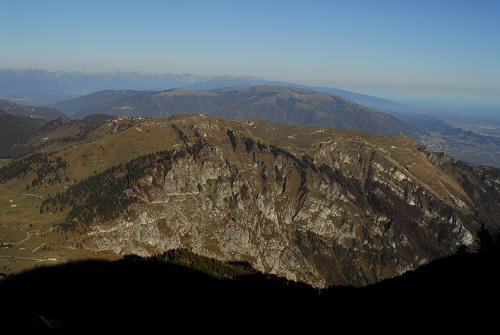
x,y
427,48
433,103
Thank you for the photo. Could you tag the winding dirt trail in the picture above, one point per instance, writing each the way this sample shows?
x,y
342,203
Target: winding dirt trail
x,y
28,236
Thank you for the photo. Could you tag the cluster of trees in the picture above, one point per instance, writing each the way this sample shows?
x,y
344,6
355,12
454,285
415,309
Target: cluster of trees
x,y
180,134
262,146
232,138
42,163
21,167
103,195
50,168
351,184
206,265
392,205
249,143
279,151
302,165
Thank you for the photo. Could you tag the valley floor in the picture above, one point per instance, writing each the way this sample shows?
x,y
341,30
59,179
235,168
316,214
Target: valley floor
x,y
24,245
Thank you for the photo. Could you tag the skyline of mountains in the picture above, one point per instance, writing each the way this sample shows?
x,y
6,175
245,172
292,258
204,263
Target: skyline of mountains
x,y
43,87
15,129
288,105
16,109
285,104
282,105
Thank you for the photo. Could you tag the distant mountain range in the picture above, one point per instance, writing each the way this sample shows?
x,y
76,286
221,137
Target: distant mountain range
x,y
56,134
224,84
287,105
15,109
45,87
18,122
291,105
41,87
21,135
14,129
73,107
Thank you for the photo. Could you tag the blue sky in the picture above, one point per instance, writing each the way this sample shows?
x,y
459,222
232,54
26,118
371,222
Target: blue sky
x,y
410,48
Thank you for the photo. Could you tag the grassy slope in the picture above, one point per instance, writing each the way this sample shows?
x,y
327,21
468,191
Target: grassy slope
x,y
122,140
4,161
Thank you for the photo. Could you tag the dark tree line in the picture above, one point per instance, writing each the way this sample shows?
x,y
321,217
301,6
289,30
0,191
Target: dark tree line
x,y
19,168
42,163
50,168
232,138
102,195
204,264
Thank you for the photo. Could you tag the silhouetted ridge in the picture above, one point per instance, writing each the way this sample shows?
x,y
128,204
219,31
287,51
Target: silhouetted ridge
x,y
88,294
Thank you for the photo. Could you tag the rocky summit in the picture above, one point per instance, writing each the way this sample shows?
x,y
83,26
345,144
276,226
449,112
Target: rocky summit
x,y
316,205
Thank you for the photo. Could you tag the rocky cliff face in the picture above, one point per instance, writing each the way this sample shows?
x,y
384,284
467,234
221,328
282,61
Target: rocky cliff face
x,y
311,204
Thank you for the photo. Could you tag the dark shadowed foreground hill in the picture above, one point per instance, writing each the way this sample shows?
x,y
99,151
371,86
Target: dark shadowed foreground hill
x,y
179,288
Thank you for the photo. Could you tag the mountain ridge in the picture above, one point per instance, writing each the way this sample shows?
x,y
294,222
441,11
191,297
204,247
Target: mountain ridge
x,y
15,129
34,112
319,205
288,106
55,134
271,103
42,87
